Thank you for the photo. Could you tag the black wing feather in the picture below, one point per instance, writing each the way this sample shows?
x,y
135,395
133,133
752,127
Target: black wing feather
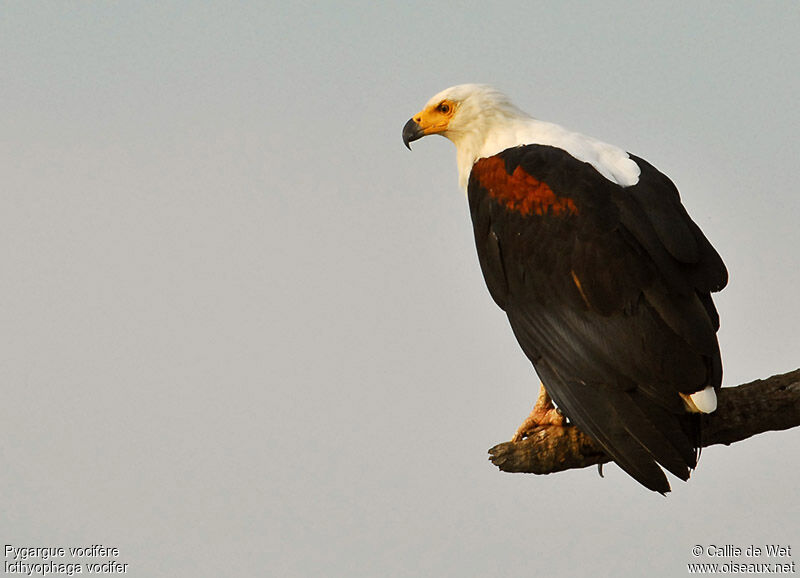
x,y
607,291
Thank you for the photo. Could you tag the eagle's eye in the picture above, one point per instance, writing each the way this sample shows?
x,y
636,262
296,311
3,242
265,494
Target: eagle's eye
x,y
444,108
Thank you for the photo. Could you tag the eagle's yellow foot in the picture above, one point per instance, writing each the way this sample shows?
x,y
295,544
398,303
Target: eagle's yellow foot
x,y
544,413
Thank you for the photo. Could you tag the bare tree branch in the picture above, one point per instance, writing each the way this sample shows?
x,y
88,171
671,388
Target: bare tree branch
x,y
746,410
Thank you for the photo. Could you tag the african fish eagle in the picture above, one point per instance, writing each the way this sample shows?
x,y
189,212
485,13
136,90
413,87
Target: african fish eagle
x,y
604,277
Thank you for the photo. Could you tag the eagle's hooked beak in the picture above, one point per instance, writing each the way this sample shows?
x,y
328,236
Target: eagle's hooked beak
x,y
411,132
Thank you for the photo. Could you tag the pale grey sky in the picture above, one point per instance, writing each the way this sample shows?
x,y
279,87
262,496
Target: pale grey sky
x,y
245,331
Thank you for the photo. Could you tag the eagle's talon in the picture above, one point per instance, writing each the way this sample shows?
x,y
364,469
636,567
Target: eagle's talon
x,y
544,414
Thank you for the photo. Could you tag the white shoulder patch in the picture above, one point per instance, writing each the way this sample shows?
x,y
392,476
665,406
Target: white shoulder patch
x,y
610,161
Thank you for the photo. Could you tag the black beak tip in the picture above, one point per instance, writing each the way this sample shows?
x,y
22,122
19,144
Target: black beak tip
x,y
411,132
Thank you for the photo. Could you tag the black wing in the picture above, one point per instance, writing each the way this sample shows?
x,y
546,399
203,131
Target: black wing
x,y
607,289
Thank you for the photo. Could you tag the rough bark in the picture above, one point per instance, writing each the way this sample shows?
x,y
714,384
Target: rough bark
x,y
763,405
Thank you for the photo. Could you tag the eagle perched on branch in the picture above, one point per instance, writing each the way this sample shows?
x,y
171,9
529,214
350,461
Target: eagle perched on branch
x,y
604,277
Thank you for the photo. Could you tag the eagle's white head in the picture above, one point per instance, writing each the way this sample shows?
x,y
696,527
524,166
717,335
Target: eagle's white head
x,y
481,121
475,117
